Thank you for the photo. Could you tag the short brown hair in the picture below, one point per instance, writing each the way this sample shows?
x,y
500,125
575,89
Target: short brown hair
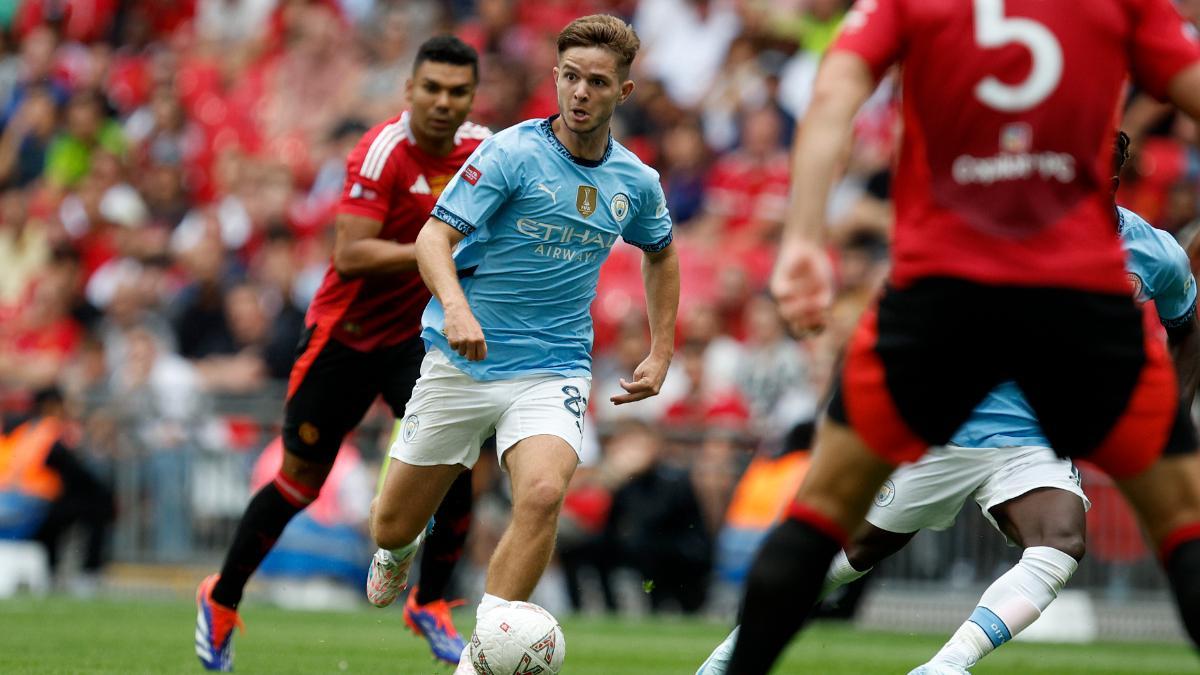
x,y
602,30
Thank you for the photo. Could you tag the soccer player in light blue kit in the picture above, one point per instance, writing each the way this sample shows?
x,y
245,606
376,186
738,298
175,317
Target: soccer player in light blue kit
x,y
1001,459
512,255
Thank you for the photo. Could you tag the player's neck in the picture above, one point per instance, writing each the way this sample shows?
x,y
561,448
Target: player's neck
x,y
590,146
438,147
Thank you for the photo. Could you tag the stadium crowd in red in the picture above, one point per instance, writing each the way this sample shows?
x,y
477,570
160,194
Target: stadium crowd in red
x,y
169,171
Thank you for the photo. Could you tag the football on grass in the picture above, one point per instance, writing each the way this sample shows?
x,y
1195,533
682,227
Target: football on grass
x,y
517,637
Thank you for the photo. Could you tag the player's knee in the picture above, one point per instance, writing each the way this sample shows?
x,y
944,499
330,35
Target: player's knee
x,y
541,499
1068,540
393,530
305,472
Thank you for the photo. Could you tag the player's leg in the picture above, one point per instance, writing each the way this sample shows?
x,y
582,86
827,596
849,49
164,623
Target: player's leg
x,y
444,545
928,493
410,495
444,424
328,395
910,380
540,468
1148,444
870,545
427,613
1048,523
1167,498
787,575
330,389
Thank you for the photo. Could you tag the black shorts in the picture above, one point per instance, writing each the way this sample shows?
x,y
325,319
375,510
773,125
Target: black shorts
x,y
1100,382
332,386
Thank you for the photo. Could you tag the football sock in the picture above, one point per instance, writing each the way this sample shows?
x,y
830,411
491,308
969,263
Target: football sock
x,y
267,514
1009,605
840,573
444,545
487,604
782,587
1181,557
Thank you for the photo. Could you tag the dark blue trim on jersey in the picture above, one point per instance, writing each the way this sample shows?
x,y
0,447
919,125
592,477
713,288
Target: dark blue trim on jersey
x,y
453,219
548,131
1180,321
656,246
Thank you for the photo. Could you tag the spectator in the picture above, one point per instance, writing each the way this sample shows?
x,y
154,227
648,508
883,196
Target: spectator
x,y
655,525
88,131
38,461
158,396
27,137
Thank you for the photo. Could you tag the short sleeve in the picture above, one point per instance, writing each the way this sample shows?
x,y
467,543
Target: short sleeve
x,y
872,30
367,190
1163,44
1174,285
650,229
475,194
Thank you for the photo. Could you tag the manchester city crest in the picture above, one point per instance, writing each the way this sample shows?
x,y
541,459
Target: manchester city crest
x,y
887,492
619,206
411,424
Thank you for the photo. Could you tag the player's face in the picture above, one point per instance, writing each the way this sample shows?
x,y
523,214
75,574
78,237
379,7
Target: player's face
x,y
440,96
589,88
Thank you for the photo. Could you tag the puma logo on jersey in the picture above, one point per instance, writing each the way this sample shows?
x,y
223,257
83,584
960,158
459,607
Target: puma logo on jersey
x,y
420,187
553,195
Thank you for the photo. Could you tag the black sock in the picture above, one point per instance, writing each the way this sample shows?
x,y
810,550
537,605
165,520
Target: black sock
x,y
262,523
444,546
1183,569
781,591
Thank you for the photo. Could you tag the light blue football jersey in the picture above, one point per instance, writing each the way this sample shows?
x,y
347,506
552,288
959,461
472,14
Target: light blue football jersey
x,y
1158,269
539,223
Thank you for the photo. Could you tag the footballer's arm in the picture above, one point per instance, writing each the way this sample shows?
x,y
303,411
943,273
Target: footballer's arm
x,y
802,282
660,277
434,245
1184,91
358,251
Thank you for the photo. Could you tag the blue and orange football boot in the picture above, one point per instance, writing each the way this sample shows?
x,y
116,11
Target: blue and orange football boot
x,y
214,629
433,622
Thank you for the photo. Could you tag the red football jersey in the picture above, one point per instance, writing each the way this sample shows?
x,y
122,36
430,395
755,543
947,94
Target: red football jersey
x,y
388,178
1010,108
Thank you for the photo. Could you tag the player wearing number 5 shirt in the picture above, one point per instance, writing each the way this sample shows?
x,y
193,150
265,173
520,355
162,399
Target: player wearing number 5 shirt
x,y
1003,221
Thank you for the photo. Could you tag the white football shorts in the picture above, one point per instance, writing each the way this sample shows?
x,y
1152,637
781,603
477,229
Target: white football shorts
x,y
929,493
451,414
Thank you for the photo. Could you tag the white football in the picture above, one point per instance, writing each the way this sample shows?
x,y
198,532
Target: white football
x,y
517,638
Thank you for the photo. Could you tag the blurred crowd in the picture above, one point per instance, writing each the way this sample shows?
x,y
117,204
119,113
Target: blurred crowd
x,y
169,171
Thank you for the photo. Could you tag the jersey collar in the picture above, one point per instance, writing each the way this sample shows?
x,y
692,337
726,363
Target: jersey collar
x,y
548,132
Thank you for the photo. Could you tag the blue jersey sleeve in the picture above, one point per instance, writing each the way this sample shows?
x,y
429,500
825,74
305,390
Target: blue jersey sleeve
x,y
479,189
650,228
1174,287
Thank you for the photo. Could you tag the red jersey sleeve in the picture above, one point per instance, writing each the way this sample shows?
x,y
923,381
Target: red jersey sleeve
x,y
370,176
873,30
1162,45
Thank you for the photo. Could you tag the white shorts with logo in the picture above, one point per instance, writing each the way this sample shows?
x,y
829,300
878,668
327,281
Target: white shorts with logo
x,y
929,493
451,414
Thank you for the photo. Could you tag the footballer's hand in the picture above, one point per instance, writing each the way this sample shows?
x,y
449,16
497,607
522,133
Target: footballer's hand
x,y
647,380
464,334
802,284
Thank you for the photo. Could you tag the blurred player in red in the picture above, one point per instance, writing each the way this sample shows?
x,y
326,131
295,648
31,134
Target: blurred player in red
x,y
1007,265
362,341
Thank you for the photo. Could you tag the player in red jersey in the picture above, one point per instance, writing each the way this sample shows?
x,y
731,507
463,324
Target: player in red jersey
x,y
362,335
1002,212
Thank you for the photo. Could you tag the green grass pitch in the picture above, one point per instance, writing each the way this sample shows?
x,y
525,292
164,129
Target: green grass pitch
x,y
126,637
